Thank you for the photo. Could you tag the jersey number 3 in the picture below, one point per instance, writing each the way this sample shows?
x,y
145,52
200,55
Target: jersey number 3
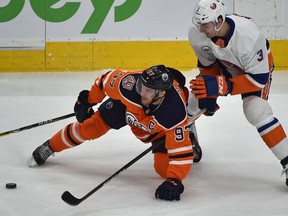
x,y
260,55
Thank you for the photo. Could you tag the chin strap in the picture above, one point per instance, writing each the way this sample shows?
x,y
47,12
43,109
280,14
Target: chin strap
x,y
217,30
149,110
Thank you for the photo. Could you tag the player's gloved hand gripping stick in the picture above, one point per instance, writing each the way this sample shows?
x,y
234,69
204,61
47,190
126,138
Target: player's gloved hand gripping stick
x,y
207,86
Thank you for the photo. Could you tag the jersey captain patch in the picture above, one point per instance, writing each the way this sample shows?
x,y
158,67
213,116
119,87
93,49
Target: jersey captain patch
x,y
128,82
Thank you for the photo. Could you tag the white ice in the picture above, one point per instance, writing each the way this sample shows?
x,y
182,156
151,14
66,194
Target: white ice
x,y
238,174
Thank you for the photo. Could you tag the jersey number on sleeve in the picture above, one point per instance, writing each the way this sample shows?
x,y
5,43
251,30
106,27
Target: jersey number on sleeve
x,y
260,55
179,134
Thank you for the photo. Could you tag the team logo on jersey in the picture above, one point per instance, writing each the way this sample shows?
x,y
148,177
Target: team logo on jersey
x,y
213,6
109,105
207,49
128,82
132,120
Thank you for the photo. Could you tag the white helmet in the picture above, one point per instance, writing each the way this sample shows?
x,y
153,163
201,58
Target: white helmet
x,y
208,11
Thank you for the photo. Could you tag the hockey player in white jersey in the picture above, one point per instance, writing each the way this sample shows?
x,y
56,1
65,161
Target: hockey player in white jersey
x,y
234,58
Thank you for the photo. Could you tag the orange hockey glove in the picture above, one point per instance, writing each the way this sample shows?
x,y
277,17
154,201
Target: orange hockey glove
x,y
206,86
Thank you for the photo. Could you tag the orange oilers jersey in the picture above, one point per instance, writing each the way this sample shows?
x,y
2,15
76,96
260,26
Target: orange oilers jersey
x,y
243,56
169,118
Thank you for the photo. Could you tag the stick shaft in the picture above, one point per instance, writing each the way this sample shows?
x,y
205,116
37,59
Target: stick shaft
x,y
72,200
37,124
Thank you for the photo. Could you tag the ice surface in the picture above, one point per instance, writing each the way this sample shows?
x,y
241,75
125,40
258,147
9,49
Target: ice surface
x,y
238,174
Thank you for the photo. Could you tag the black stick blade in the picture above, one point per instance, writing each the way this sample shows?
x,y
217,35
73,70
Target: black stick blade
x,y
70,199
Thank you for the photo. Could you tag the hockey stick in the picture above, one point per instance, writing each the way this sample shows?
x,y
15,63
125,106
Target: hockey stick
x,y
37,124
73,201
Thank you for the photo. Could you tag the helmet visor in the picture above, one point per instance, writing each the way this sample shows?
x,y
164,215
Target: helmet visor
x,y
145,91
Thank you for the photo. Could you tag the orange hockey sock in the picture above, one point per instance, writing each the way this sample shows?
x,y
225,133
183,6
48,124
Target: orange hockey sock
x,y
76,133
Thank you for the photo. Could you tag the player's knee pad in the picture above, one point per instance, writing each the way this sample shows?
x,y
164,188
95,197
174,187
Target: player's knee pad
x,y
161,162
257,110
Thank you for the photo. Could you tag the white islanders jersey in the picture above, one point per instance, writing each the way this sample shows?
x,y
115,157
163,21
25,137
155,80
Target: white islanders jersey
x,y
245,51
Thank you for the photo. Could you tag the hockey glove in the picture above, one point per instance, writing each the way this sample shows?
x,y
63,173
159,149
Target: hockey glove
x,y
210,104
170,190
82,108
204,86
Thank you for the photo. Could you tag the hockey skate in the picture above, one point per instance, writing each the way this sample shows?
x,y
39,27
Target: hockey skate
x,y
197,151
40,155
284,163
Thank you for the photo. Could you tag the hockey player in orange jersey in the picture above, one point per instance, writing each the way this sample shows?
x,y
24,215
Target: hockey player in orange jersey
x,y
152,103
234,58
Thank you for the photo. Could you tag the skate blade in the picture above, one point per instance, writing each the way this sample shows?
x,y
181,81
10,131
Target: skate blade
x,y
31,162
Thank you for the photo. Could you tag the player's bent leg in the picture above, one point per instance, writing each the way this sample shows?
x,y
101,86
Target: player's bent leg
x,y
259,113
110,114
72,135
